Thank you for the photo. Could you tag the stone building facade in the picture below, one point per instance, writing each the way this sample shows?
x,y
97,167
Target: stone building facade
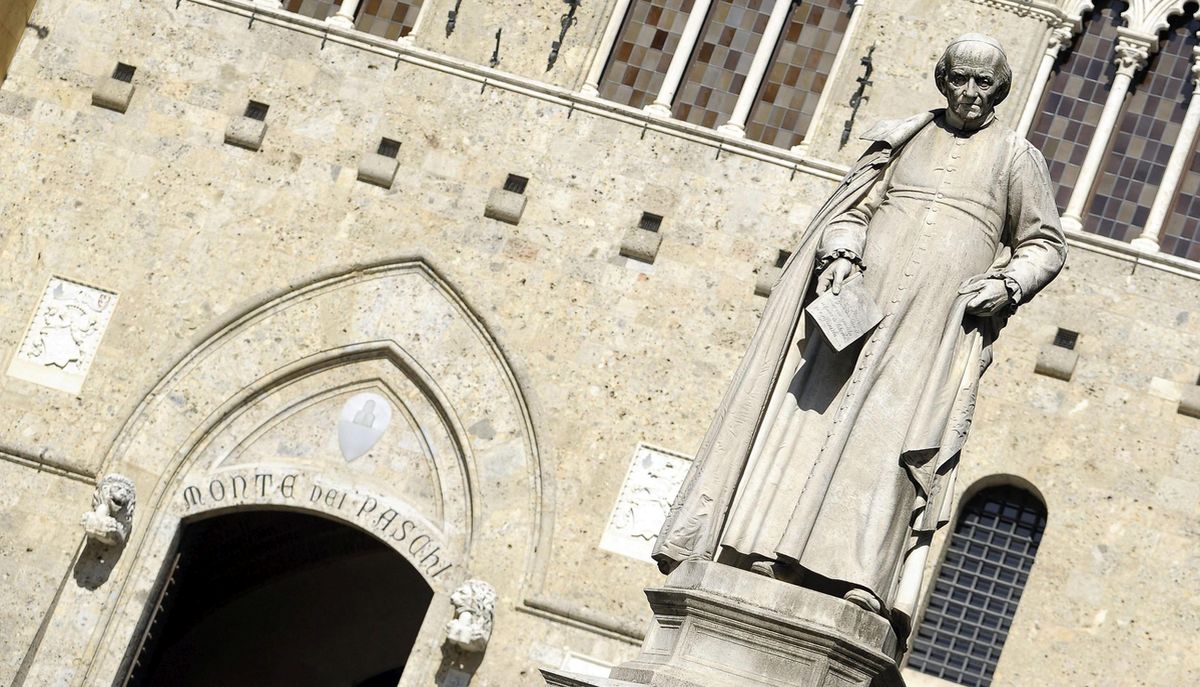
x,y
474,288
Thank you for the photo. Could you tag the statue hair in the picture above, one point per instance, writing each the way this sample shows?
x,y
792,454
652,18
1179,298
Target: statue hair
x,y
976,44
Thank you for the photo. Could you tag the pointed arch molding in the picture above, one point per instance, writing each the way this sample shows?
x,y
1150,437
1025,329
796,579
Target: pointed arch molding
x,y
250,419
1146,17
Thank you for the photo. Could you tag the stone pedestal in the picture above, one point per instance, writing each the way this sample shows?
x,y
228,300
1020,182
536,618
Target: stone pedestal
x,y
717,626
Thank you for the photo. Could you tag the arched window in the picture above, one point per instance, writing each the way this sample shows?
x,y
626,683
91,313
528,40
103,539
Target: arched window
x,y
389,19
718,69
1066,122
1149,127
976,591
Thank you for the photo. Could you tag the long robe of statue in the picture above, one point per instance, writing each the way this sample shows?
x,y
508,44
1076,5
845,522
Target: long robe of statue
x,y
830,462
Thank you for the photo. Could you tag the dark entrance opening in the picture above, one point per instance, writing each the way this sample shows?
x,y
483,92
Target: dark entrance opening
x,y
272,598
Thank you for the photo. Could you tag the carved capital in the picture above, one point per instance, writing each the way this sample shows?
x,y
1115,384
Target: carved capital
x,y
1133,52
1060,39
474,609
111,517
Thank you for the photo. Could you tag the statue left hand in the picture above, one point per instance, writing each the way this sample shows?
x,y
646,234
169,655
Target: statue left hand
x,y
990,297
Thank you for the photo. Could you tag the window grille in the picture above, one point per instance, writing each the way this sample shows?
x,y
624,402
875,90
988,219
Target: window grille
x,y
257,110
124,72
1065,338
650,221
515,183
389,148
978,587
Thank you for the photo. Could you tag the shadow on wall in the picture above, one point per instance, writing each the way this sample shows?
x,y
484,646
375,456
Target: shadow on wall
x,y
95,564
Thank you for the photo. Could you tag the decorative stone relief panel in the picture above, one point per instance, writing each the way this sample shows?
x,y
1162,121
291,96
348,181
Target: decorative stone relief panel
x,y
64,335
650,485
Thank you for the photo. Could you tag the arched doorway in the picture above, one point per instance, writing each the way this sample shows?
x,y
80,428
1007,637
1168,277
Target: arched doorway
x,y
274,597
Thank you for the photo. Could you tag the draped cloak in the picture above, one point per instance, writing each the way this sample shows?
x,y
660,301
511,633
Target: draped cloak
x,y
698,523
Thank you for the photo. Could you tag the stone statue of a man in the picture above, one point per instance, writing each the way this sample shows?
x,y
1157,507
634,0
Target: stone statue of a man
x,y
823,467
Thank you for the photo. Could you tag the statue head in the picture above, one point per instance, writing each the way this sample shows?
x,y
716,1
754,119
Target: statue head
x,y
974,75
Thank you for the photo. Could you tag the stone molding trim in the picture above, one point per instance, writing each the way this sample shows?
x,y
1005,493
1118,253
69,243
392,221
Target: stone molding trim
x,y
1042,10
44,460
577,615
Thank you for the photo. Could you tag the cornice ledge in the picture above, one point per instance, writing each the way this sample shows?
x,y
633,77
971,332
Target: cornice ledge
x,y
1047,12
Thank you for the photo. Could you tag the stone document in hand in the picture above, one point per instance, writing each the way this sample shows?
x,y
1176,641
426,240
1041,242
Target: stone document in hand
x,y
847,316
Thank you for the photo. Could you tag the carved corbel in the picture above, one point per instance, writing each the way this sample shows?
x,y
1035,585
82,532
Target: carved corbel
x,y
111,517
474,609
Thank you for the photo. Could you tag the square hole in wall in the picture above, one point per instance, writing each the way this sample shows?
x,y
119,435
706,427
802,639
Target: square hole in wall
x,y
782,258
515,184
257,110
124,72
389,148
650,221
1065,338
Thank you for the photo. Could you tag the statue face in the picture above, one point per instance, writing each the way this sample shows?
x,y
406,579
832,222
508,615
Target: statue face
x,y
971,84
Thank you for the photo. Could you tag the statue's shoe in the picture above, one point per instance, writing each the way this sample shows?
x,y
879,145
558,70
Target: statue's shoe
x,y
764,568
864,600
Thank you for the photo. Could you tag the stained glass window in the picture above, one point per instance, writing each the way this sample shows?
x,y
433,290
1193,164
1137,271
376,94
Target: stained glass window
x,y
317,9
718,67
1066,121
643,50
389,19
799,71
975,595
1142,144
1181,233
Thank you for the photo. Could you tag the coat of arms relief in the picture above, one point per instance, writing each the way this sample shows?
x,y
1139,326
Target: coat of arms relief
x,y
64,335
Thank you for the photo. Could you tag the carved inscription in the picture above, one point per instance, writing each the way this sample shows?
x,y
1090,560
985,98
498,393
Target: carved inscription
x,y
653,479
406,534
64,335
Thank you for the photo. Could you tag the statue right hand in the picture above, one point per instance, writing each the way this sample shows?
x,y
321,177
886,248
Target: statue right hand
x,y
834,275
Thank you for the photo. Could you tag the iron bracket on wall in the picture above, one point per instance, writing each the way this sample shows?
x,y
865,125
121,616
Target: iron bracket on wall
x,y
495,61
568,20
859,96
452,18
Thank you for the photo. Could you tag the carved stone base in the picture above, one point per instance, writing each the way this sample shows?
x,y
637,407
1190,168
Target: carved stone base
x,y
717,626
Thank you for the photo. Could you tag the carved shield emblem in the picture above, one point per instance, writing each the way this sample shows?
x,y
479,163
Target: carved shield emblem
x,y
362,422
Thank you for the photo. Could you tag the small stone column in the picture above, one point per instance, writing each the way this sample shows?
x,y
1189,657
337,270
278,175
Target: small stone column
x,y
344,17
1060,38
736,126
1133,52
661,107
1180,155
591,84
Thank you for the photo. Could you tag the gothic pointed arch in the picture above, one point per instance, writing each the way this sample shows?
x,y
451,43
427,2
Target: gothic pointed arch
x,y
374,397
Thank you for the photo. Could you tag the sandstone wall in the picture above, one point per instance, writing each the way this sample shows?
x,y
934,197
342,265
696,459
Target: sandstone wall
x,y
191,232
